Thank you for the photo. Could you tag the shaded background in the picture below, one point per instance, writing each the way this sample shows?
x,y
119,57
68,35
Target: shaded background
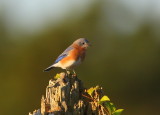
x,y
124,59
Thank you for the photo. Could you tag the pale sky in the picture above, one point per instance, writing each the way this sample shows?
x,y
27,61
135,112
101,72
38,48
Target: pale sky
x,y
33,15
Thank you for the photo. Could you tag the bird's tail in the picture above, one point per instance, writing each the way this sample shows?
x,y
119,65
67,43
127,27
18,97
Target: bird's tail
x,y
49,68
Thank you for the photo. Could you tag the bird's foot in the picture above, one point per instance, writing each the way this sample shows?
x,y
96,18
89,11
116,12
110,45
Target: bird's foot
x,y
68,72
74,73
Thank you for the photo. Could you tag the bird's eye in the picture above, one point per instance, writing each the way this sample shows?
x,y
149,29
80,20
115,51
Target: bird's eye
x,y
83,43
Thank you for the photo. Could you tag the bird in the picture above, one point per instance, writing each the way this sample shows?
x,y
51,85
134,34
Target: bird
x,y
73,56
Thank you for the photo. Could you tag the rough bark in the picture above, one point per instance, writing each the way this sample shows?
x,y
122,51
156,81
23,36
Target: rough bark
x,y
67,96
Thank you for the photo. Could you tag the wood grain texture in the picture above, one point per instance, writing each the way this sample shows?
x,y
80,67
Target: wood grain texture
x,y
67,96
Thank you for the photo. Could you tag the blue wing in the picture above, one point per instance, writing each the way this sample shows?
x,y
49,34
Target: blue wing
x,y
60,58
64,54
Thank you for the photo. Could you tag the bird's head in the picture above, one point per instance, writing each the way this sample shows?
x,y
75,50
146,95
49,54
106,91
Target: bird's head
x,y
82,42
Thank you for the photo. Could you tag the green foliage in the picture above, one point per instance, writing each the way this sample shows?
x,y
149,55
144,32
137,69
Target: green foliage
x,y
57,76
110,106
91,90
118,112
105,102
103,99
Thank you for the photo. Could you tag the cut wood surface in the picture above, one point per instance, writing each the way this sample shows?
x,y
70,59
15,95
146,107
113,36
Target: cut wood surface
x,y
66,95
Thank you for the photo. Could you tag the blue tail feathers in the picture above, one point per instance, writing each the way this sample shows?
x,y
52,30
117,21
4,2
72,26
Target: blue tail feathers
x,y
49,68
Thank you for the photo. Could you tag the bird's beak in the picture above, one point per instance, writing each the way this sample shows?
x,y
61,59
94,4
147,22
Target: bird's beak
x,y
89,44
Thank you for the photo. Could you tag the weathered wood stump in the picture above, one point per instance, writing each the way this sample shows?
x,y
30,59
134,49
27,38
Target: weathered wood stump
x,y
67,96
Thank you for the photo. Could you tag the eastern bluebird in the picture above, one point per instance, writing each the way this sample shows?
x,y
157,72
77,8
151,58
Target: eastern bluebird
x,y
72,56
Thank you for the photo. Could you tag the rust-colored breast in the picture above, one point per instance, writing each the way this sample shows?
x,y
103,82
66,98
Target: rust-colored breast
x,y
74,55
79,52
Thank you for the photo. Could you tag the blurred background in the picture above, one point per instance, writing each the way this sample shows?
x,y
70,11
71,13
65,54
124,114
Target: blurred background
x,y
124,58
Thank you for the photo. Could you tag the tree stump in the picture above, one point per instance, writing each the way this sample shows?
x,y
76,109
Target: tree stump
x,y
67,96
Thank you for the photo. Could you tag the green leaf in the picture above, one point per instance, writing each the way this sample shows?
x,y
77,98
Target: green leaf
x,y
97,87
57,76
104,98
92,89
110,106
118,112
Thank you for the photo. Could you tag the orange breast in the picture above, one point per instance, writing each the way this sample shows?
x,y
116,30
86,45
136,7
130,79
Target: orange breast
x,y
74,55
